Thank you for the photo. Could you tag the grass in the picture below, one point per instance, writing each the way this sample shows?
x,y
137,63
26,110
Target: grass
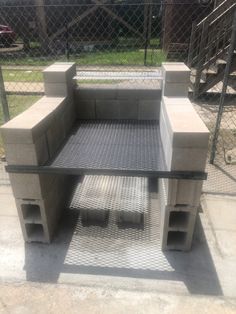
x,y
17,104
114,58
126,58
131,58
22,76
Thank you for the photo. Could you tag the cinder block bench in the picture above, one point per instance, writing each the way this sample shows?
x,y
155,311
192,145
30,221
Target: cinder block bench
x,y
126,132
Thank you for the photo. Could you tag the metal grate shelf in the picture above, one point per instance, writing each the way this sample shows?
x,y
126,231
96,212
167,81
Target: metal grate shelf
x,y
112,147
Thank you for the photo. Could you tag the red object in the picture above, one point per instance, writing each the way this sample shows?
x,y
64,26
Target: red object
x,y
7,36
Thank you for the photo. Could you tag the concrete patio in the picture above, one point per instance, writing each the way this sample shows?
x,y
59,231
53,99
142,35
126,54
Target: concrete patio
x,y
208,270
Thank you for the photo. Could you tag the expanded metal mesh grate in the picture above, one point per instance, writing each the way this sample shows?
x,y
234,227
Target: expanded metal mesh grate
x,y
112,246
113,145
111,193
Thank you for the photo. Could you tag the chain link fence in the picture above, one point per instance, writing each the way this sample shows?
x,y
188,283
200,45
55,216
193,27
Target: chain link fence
x,y
124,36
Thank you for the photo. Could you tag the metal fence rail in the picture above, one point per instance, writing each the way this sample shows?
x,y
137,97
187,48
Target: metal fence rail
x,y
123,41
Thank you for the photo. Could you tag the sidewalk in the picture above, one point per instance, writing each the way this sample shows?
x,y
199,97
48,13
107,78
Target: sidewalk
x,y
31,298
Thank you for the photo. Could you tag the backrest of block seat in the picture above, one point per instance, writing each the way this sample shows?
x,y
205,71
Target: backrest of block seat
x,y
114,102
32,123
185,127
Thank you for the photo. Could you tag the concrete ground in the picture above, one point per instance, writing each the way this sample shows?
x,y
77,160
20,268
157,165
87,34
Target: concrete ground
x,y
36,278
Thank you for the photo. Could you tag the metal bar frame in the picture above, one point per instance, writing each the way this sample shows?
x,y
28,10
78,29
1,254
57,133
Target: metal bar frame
x,y
186,175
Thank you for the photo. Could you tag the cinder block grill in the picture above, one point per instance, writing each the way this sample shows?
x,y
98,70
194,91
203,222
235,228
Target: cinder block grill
x,y
53,144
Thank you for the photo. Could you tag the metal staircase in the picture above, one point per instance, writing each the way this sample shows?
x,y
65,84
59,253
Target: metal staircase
x,y
209,45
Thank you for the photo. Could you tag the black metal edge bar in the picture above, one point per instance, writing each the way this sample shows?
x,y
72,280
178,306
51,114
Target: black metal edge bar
x,y
188,175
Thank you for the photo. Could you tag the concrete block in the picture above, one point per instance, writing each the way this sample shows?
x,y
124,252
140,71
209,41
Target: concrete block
x,y
94,216
60,73
175,72
27,127
106,93
130,218
86,109
32,186
183,192
39,217
95,93
188,159
58,90
107,109
185,127
55,136
175,89
177,223
128,109
28,154
69,117
148,109
139,93
183,134
181,220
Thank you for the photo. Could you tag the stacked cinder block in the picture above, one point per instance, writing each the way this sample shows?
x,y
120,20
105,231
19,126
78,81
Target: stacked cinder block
x,y
185,143
117,103
33,138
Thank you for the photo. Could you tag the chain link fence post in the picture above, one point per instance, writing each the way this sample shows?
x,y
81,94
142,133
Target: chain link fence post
x,y
5,109
224,91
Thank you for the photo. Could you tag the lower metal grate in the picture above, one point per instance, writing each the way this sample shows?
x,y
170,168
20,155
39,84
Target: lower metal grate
x,y
112,246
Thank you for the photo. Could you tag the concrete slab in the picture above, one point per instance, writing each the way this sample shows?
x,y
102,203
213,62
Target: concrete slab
x,y
202,271
27,298
221,211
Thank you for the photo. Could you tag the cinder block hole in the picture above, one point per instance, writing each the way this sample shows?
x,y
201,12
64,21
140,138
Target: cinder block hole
x,y
94,217
181,205
31,212
178,219
130,220
176,238
35,232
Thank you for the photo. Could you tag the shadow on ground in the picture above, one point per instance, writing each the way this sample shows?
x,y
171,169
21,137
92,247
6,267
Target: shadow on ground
x,y
112,252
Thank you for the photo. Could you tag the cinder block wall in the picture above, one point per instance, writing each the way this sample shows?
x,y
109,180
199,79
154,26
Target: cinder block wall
x,y
185,144
33,138
117,103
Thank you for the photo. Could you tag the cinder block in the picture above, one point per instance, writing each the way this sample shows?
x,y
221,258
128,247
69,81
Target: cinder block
x,y
177,222
138,93
94,216
28,154
27,127
130,218
60,72
86,109
110,92
69,117
184,136
181,220
55,136
148,109
175,89
39,217
32,186
188,159
35,232
128,109
58,89
95,93
185,127
175,72
183,192
107,109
